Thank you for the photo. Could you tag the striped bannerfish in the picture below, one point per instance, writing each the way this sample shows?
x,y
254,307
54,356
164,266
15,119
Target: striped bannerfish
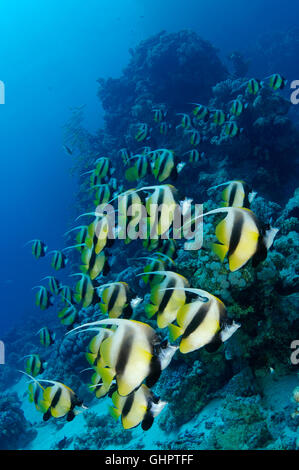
x,y
231,129
185,120
141,406
161,206
237,107
43,298
275,81
59,260
163,166
132,354
201,322
103,167
116,299
139,169
142,132
67,294
68,315
103,194
39,248
85,292
219,117
34,365
253,86
242,237
166,303
54,284
201,112
46,337
94,264
236,194
60,401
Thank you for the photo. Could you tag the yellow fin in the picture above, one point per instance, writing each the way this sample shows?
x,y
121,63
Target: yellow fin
x,y
174,332
150,310
221,233
220,250
107,375
115,413
90,358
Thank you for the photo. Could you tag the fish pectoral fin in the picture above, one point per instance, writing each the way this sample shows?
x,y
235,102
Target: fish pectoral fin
x,y
219,250
174,332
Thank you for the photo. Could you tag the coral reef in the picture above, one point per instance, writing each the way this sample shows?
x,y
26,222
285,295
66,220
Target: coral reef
x,y
15,431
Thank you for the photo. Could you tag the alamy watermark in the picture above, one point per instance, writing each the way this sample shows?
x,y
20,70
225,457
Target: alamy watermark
x,y
151,222
295,354
2,353
2,92
295,95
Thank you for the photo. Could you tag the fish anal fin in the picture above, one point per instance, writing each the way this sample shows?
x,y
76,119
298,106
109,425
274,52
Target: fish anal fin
x,y
174,332
219,250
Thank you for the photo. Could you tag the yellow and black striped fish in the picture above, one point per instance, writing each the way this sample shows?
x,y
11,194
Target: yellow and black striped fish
x,y
125,156
275,81
242,237
201,112
195,137
47,338
93,355
202,321
139,170
60,401
80,237
219,117
237,107
116,299
68,315
131,216
141,406
34,365
36,396
253,86
164,166
54,284
165,303
132,354
59,260
67,294
236,194
94,264
85,292
142,132
161,206
39,248
231,129
43,298
103,194
185,120
103,167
